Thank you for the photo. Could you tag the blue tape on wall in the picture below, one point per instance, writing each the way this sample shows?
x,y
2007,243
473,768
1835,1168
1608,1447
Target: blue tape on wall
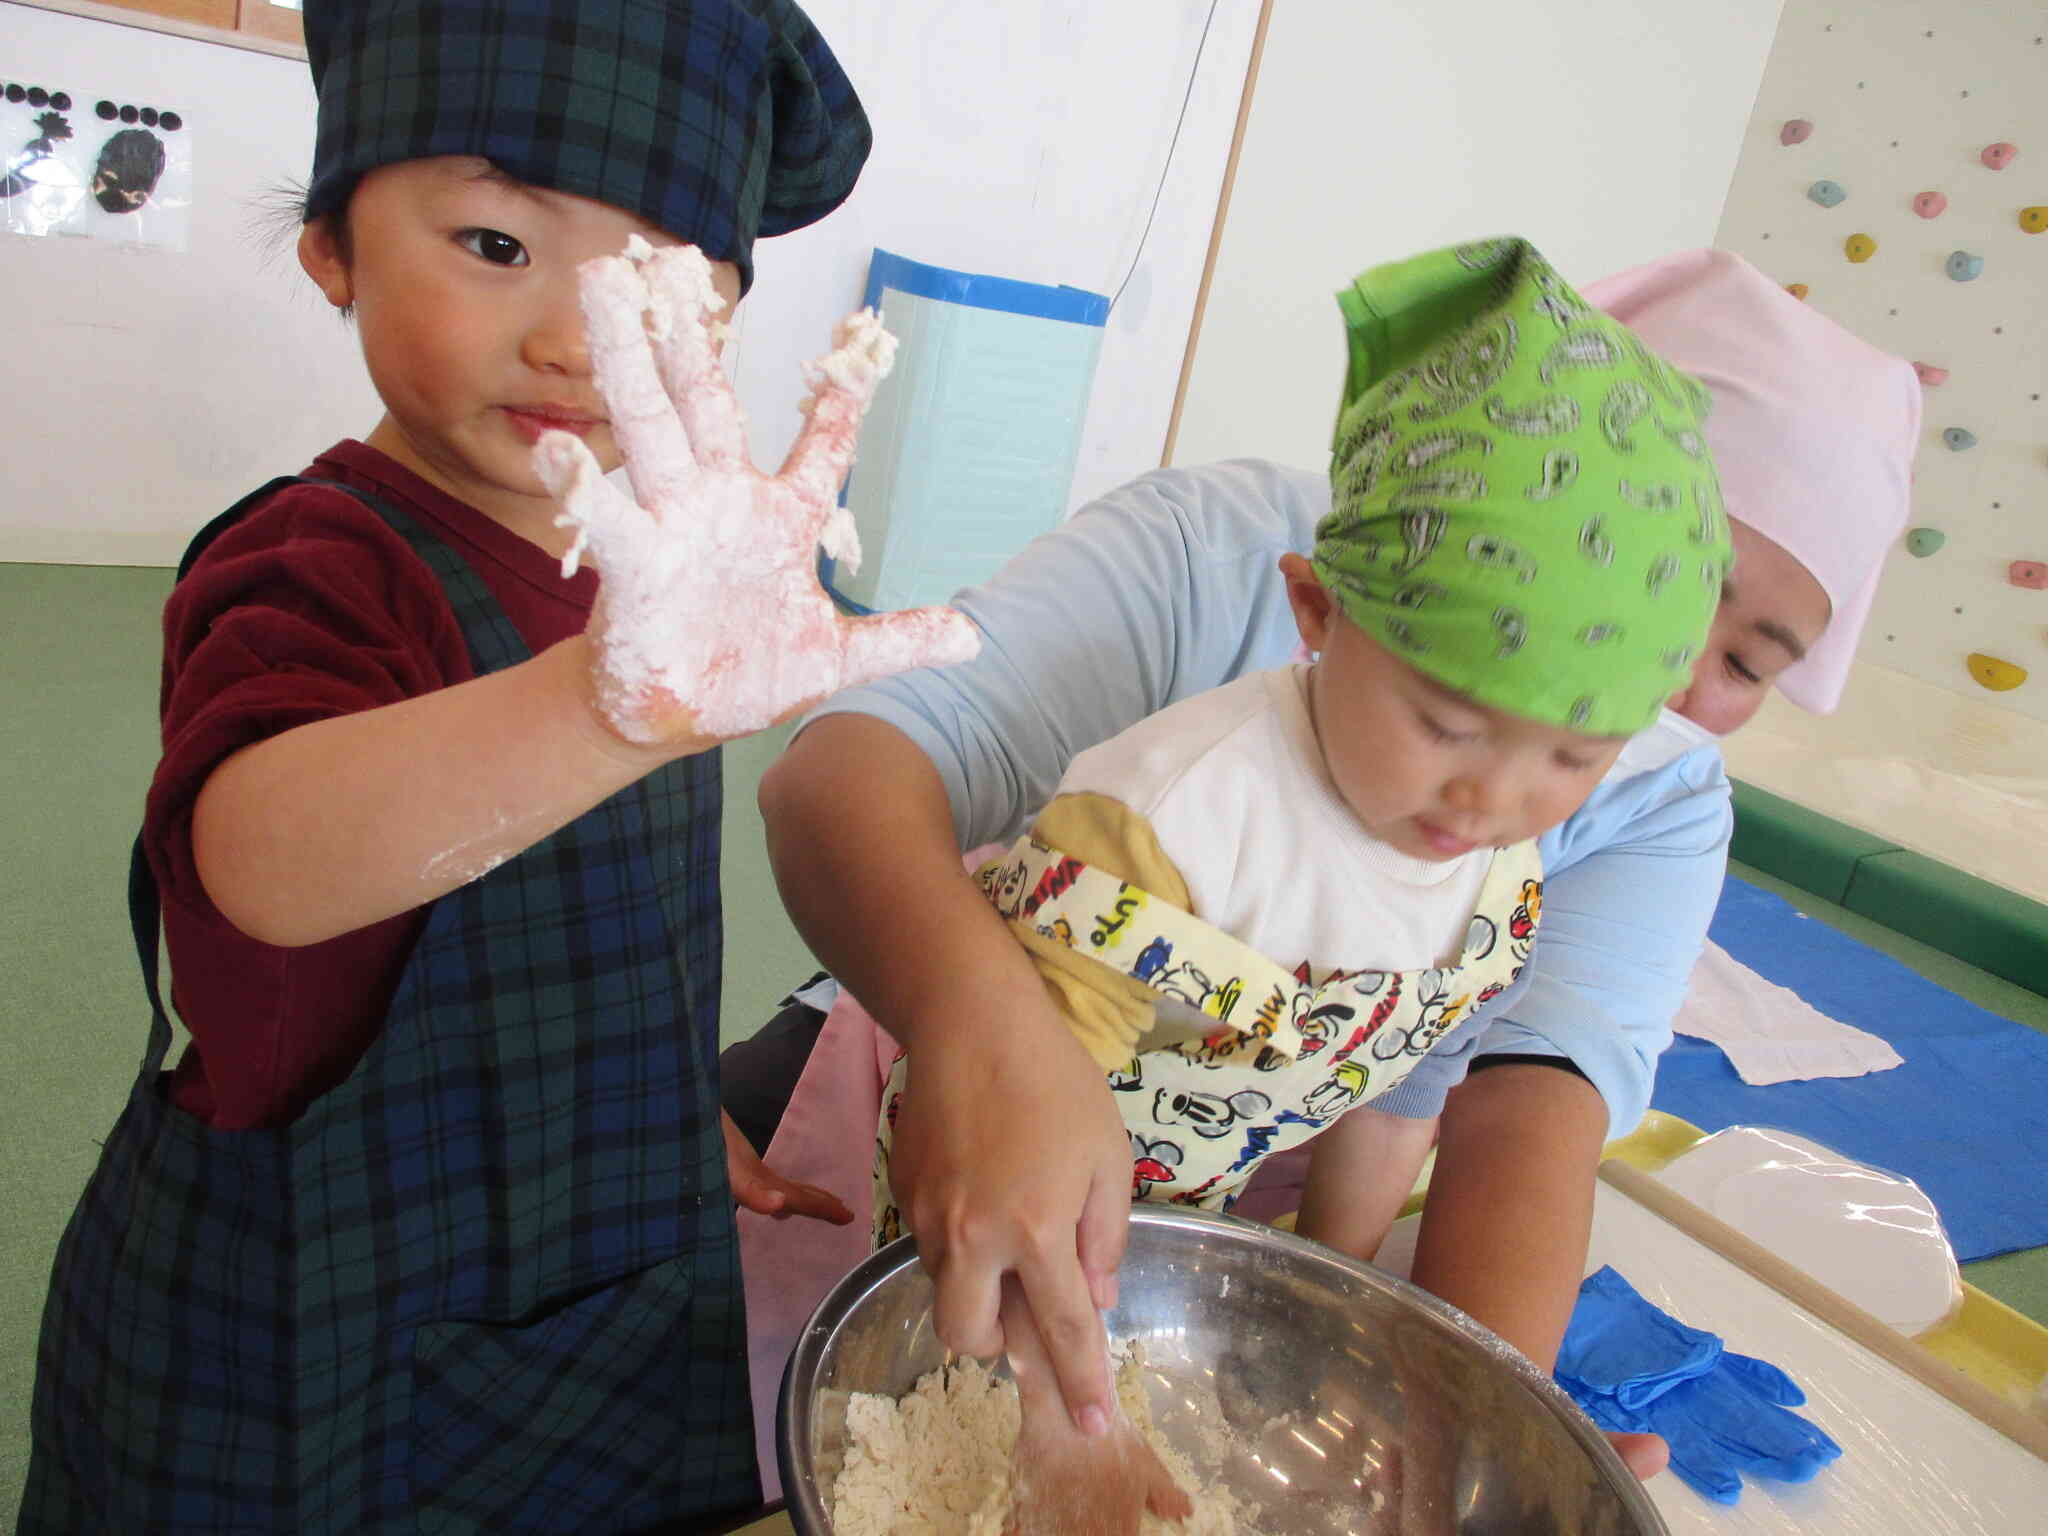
x,y
969,449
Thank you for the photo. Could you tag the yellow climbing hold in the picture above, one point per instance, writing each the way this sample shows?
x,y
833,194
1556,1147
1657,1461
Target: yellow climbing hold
x,y
1998,676
2035,219
1798,290
1859,247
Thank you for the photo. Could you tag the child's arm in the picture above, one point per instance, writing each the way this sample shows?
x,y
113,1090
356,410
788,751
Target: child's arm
x,y
1510,1207
1360,1173
710,624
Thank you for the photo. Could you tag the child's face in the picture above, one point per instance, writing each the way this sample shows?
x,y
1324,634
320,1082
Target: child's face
x,y
1425,769
464,287
1772,611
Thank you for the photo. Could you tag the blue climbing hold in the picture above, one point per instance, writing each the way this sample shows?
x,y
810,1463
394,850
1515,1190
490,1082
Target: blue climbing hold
x,y
1964,265
1826,193
1958,438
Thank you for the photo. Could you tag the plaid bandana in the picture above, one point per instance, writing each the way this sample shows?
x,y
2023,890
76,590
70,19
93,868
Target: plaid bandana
x,y
716,120
1523,506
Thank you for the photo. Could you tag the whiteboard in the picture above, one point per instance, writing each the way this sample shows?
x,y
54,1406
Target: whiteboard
x,y
151,388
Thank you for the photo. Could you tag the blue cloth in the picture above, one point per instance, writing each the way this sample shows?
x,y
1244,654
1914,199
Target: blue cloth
x,y
1167,586
1635,1368
1966,1116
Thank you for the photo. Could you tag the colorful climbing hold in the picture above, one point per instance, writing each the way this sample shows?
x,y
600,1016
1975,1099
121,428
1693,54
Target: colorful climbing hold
x,y
2028,573
1798,290
1998,676
1998,156
1796,131
1925,541
1958,438
1930,374
1963,266
1827,193
2035,219
1859,247
1930,205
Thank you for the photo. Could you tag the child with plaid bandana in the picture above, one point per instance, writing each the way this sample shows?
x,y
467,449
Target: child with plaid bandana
x,y
431,1225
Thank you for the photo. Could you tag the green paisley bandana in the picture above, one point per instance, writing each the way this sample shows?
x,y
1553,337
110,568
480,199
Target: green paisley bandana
x,y
1522,504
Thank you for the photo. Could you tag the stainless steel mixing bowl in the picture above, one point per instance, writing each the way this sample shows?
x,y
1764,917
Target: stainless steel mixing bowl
x,y
1349,1400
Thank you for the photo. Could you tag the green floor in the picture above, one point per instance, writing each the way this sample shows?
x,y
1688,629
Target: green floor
x,y
78,700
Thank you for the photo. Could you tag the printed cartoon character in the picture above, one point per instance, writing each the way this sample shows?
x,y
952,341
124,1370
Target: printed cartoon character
x,y
1187,982
1319,1023
1152,958
1386,985
1152,1163
1437,1010
1059,930
1208,1115
1344,1088
1522,922
1480,937
1004,883
1127,1078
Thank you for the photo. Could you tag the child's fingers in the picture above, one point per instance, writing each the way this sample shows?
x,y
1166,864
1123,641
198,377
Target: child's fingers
x,y
888,643
590,504
649,433
684,304
843,383
1072,1332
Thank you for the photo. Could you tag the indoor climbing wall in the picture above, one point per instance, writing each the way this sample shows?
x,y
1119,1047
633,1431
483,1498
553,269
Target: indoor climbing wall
x,y
1895,176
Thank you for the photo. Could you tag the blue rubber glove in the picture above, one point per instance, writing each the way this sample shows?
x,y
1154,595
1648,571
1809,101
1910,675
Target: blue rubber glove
x,y
1634,1368
1620,1345
1734,1420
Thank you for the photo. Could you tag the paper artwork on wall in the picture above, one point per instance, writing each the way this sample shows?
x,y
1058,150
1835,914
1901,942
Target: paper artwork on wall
x,y
93,167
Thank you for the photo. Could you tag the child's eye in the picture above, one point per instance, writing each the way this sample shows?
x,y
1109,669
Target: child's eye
x,y
1572,764
1440,733
494,245
1740,672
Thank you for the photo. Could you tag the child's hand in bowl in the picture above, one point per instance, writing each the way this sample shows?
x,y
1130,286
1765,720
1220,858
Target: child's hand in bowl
x,y
711,622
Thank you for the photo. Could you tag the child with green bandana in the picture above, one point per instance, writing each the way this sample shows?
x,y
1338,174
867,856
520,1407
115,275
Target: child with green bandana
x,y
1261,908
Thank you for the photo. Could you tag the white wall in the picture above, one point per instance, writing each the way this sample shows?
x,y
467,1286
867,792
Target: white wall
x,y
1604,130
1026,139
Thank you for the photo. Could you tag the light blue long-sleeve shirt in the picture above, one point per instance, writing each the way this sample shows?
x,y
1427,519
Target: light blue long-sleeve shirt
x,y
1170,586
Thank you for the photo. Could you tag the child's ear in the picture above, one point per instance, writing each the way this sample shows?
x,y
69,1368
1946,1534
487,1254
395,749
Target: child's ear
x,y
1314,608
320,253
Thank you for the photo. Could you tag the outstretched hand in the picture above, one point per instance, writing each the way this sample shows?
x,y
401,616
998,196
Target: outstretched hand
x,y
710,622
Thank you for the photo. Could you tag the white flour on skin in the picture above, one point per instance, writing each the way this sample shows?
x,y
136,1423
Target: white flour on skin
x,y
936,1462
710,602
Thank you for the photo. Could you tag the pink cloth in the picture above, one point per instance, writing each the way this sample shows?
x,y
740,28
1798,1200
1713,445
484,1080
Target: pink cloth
x,y
826,1137
1813,429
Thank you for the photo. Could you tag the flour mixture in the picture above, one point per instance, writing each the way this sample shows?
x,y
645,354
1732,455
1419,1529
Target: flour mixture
x,y
936,1462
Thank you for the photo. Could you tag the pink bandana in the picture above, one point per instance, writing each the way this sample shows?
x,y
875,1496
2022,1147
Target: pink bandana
x,y
1813,429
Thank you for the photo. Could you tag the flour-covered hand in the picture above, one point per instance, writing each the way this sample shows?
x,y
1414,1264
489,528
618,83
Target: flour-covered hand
x,y
710,622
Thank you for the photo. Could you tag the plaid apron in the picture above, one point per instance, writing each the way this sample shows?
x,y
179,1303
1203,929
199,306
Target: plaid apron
x,y
491,1281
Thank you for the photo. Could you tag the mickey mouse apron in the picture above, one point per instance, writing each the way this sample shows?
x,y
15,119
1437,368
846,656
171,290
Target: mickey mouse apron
x,y
1256,1058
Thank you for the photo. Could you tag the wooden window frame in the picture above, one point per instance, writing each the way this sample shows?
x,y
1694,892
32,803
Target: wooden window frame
x,y
253,24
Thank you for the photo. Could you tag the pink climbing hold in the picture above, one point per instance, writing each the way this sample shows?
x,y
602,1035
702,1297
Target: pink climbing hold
x,y
1796,131
1930,205
1930,375
1998,156
2028,573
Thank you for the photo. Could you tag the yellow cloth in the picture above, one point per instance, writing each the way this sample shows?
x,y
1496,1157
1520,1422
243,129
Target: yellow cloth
x,y
1107,1011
